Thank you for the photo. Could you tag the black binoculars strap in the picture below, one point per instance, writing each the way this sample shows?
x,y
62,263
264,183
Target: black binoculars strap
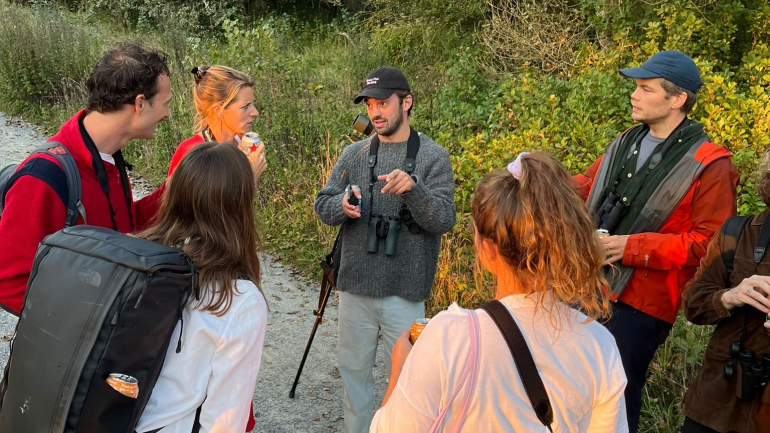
x,y
525,363
412,147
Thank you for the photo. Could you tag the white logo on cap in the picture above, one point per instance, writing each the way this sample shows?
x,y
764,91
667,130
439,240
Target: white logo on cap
x,y
370,81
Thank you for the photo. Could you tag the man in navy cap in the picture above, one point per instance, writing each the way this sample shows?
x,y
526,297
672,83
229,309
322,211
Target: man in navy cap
x,y
390,240
661,190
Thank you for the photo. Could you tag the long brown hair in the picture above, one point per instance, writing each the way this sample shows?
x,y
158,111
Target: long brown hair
x,y
215,85
207,211
540,225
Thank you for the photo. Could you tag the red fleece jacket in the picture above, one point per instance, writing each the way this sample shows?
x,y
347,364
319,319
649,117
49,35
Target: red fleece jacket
x,y
33,211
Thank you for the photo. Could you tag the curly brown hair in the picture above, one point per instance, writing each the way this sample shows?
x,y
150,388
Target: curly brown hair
x,y
542,229
123,74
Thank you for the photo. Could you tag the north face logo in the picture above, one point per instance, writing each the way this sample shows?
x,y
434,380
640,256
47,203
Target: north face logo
x,y
90,277
371,81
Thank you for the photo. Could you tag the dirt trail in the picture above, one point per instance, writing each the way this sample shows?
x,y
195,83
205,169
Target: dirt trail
x,y
317,406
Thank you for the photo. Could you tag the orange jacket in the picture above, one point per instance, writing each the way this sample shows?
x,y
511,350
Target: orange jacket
x,y
666,260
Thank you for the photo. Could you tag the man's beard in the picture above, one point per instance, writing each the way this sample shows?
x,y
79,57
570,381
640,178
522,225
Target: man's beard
x,y
392,128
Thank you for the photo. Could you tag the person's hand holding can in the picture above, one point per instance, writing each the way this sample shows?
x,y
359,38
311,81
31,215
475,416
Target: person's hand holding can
x,y
254,148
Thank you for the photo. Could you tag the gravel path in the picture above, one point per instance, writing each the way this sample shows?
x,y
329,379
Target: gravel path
x,y
317,406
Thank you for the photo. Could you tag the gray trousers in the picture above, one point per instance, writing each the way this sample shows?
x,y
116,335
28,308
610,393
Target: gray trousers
x,y
361,319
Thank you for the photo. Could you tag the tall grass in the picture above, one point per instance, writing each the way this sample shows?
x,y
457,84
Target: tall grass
x,y
44,56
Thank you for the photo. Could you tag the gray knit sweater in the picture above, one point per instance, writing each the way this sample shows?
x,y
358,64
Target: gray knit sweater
x,y
410,272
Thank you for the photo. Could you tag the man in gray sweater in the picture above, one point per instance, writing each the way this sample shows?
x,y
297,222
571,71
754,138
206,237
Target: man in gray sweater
x,y
383,292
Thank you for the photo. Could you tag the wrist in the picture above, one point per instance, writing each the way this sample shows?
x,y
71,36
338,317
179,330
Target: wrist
x,y
727,299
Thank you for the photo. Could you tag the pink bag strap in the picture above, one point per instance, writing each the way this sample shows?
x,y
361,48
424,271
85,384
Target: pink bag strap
x,y
467,380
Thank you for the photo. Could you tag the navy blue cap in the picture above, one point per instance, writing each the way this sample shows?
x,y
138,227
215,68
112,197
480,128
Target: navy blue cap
x,y
381,83
675,66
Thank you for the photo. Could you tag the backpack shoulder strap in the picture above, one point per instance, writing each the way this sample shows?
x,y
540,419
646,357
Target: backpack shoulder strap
x,y
74,204
731,230
525,364
64,180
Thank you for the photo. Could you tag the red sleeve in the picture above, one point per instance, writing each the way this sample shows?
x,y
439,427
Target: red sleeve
x,y
32,211
178,155
146,209
584,182
713,201
182,150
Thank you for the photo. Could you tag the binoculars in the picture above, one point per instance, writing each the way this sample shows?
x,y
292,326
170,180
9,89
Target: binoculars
x,y
752,374
382,228
362,125
611,212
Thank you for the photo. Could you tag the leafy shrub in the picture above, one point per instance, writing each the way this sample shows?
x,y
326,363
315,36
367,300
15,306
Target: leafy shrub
x,y
427,30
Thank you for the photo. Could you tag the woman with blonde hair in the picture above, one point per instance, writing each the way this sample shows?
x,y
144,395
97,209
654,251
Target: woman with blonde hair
x,y
534,234
224,111
207,381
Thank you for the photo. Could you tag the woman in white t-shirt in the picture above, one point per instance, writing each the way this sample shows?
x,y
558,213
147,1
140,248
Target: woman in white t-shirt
x,y
208,377
535,235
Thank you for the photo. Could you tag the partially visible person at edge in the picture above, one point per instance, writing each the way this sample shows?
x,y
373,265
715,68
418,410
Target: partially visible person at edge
x,y
382,294
671,189
211,218
224,111
128,96
711,404
532,232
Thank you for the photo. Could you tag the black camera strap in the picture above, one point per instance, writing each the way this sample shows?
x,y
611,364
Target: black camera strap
x,y
412,147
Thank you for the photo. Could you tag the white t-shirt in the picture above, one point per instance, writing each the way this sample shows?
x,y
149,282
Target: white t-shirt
x,y
217,367
580,367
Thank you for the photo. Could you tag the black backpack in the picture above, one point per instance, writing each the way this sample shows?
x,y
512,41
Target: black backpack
x,y
65,180
97,303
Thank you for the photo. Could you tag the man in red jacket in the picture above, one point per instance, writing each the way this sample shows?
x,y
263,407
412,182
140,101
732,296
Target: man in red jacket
x,y
661,189
128,96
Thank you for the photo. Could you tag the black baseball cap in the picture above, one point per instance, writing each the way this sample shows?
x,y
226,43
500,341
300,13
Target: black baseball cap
x,y
675,66
381,83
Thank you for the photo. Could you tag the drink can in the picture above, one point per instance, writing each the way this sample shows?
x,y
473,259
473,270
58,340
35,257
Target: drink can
x,y
417,326
602,233
124,384
251,141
